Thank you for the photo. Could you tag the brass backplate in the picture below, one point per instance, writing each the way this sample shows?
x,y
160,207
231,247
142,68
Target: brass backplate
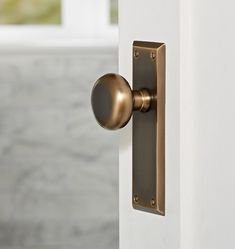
x,y
149,129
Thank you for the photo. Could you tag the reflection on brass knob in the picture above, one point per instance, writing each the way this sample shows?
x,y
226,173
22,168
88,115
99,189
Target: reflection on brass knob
x,y
113,101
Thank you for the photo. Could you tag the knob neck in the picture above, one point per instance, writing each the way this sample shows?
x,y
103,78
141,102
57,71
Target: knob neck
x,y
141,100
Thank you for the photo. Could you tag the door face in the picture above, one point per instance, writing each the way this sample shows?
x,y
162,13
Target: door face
x,y
152,21
200,139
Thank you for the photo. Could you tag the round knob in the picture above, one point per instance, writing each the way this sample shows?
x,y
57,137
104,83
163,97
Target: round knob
x,y
113,101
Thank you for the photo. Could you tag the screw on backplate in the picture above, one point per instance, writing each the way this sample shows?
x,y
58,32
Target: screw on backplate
x,y
136,53
136,199
153,202
153,55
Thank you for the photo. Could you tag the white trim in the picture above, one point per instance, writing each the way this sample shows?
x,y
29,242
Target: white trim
x,y
52,48
186,127
57,43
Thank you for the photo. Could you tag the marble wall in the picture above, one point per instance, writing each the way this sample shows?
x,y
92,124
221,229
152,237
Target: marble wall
x,y
58,168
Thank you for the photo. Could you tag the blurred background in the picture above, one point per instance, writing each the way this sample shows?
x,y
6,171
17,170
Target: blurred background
x,y
58,168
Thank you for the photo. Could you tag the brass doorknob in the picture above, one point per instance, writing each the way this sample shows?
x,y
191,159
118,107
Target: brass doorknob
x,y
113,101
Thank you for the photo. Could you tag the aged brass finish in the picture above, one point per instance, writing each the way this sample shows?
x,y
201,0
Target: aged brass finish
x,y
148,143
114,102
136,199
142,100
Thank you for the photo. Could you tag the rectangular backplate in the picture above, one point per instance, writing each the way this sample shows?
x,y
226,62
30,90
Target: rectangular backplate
x,y
149,129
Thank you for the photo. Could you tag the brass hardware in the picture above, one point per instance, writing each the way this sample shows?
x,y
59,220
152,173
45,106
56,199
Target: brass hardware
x,y
153,55
142,100
152,202
136,199
149,129
113,103
136,53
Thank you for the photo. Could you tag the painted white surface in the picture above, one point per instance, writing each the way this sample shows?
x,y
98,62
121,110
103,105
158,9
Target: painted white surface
x,y
200,124
152,21
213,40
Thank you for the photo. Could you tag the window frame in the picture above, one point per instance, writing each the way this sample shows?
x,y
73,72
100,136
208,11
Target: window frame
x,y
95,14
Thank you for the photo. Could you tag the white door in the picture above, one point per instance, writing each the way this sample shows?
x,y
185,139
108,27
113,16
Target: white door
x,y
200,124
